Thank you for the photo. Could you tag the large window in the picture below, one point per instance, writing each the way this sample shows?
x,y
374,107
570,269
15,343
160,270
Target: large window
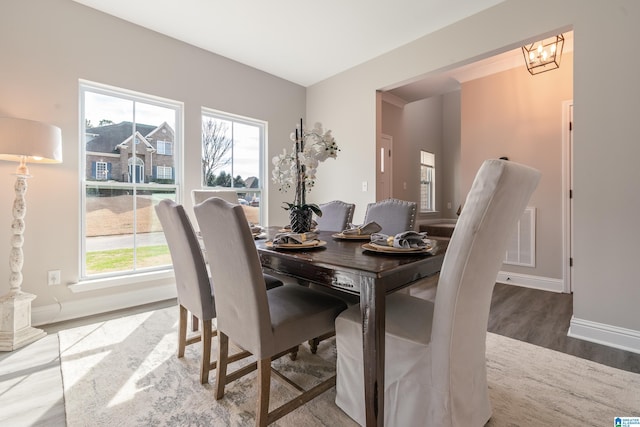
x,y
129,151
232,153
427,181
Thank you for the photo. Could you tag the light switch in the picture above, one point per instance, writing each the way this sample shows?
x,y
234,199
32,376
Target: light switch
x,y
364,186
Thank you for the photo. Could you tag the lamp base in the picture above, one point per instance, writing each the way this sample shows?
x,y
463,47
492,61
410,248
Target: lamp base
x,y
15,321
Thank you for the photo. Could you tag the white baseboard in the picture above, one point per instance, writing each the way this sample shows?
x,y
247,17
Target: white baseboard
x,y
95,305
600,333
528,281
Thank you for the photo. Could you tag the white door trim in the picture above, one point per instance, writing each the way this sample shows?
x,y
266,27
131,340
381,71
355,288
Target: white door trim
x,y
567,202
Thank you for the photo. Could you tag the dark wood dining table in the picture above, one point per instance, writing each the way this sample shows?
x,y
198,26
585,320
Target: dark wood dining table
x,y
345,266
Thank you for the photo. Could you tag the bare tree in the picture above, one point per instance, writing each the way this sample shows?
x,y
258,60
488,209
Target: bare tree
x,y
215,145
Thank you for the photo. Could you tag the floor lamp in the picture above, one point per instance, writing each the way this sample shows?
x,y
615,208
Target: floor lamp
x,y
22,141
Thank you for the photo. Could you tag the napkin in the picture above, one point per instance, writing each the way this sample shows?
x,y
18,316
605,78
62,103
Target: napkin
x,y
405,240
293,238
255,228
368,228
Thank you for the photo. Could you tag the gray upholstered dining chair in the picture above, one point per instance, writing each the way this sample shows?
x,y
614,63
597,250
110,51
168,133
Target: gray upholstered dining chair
x,y
393,215
266,324
199,196
193,284
336,215
435,366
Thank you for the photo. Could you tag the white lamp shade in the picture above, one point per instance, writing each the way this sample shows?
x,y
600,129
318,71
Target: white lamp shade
x,y
35,142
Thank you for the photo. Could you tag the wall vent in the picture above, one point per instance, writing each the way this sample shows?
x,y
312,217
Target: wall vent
x,y
522,246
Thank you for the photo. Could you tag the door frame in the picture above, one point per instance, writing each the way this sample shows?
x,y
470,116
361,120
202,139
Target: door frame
x,y
567,193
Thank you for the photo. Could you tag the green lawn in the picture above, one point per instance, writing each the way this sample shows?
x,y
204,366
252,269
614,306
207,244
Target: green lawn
x,y
122,259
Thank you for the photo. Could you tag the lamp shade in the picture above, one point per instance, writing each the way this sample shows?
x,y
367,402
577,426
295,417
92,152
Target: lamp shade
x,y
31,141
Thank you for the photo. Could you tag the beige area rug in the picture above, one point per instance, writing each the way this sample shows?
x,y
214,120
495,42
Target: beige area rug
x,y
124,372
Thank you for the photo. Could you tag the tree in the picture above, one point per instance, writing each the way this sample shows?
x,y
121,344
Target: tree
x,y
222,180
215,145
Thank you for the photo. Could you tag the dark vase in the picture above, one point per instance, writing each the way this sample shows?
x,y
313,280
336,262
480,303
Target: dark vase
x,y
301,219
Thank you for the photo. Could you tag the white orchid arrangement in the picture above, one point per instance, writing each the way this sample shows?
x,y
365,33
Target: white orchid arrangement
x,y
298,167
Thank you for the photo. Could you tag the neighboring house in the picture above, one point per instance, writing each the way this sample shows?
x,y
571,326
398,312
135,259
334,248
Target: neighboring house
x,y
110,152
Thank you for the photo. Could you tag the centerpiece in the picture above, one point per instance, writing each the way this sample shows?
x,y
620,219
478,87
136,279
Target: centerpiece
x,y
298,169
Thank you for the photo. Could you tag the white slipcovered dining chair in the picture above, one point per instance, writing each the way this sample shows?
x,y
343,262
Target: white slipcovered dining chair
x,y
266,324
336,215
435,366
392,215
193,284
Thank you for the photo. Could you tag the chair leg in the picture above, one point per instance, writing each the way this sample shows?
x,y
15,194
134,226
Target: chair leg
x,y
221,369
264,385
206,351
194,323
182,331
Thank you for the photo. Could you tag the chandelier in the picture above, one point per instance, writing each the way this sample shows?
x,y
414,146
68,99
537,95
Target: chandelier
x,y
543,55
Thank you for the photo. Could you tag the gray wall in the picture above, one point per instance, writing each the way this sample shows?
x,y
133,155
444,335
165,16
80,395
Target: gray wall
x,y
607,103
47,46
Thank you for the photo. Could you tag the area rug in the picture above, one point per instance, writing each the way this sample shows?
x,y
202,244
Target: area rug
x,y
124,372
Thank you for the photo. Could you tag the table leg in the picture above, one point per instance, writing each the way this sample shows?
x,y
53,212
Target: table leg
x,y
372,305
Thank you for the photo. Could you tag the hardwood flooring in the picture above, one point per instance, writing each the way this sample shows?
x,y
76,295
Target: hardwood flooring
x,y
542,318
31,382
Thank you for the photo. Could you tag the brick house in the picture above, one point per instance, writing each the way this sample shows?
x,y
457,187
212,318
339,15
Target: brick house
x,y
110,152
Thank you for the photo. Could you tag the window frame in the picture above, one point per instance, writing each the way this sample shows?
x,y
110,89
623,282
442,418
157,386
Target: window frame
x,y
178,170
262,127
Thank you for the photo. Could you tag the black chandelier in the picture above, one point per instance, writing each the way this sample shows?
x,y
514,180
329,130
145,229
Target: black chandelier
x,y
543,55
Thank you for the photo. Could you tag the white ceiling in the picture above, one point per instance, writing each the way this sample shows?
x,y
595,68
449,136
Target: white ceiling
x,y
301,41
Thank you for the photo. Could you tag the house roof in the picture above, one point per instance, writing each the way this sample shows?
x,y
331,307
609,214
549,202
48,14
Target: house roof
x,y
108,137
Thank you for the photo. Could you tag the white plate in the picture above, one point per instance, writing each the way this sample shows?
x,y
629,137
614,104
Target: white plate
x,y
310,244
391,250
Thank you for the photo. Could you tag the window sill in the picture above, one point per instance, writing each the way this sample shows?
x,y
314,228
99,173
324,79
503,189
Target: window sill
x,y
111,282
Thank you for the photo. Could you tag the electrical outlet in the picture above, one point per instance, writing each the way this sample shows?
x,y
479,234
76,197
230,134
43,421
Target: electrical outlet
x,y
53,277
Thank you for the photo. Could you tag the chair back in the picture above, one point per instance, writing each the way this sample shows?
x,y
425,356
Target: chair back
x,y
336,216
236,272
393,215
192,279
199,196
495,203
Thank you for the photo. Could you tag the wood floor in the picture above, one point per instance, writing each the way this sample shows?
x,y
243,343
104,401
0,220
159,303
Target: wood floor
x,y
31,383
542,318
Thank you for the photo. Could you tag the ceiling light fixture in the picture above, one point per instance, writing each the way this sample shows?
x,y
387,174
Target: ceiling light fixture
x,y
543,55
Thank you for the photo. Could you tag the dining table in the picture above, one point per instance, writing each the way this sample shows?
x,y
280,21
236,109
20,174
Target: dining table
x,y
344,265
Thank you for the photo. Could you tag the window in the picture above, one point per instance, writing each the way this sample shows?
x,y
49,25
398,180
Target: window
x,y
128,145
164,172
427,181
232,156
164,147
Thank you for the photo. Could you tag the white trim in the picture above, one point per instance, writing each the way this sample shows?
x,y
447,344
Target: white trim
x,y
53,313
528,281
609,335
567,167
119,280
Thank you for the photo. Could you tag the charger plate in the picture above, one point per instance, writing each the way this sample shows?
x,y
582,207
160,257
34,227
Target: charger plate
x,y
391,250
310,244
351,236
